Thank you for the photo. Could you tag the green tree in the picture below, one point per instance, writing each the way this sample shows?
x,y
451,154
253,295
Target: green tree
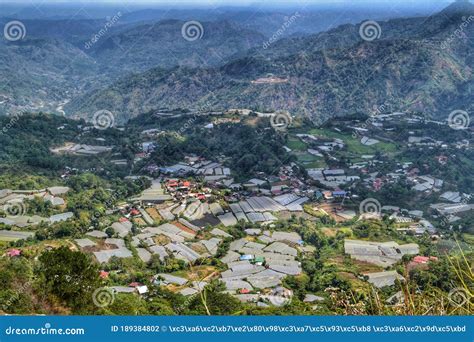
x,y
70,276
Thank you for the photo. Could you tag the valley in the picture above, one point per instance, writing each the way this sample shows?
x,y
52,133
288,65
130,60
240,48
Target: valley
x,y
259,211
237,162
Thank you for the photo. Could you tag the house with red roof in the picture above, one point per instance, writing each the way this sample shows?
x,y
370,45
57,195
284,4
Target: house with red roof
x,y
172,183
14,253
421,262
424,259
377,184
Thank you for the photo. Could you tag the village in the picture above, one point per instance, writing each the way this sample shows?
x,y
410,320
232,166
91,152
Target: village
x,y
350,155
195,212
189,213
337,160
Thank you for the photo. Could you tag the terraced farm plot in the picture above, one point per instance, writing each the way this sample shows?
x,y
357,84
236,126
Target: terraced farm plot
x,y
309,161
154,214
10,235
296,144
353,143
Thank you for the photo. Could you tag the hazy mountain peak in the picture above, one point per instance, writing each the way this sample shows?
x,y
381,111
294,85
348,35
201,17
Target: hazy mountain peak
x,y
459,7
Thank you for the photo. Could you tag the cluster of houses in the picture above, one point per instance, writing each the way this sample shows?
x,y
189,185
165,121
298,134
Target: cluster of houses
x,y
453,204
256,264
422,184
192,190
181,216
185,213
184,204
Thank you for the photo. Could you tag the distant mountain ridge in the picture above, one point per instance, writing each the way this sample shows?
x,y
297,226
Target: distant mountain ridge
x,y
57,61
162,44
416,64
37,72
135,66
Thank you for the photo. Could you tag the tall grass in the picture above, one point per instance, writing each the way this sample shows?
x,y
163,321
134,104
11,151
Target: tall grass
x,y
413,301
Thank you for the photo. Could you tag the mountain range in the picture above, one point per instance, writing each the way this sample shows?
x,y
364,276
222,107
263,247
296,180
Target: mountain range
x,y
277,61
417,64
